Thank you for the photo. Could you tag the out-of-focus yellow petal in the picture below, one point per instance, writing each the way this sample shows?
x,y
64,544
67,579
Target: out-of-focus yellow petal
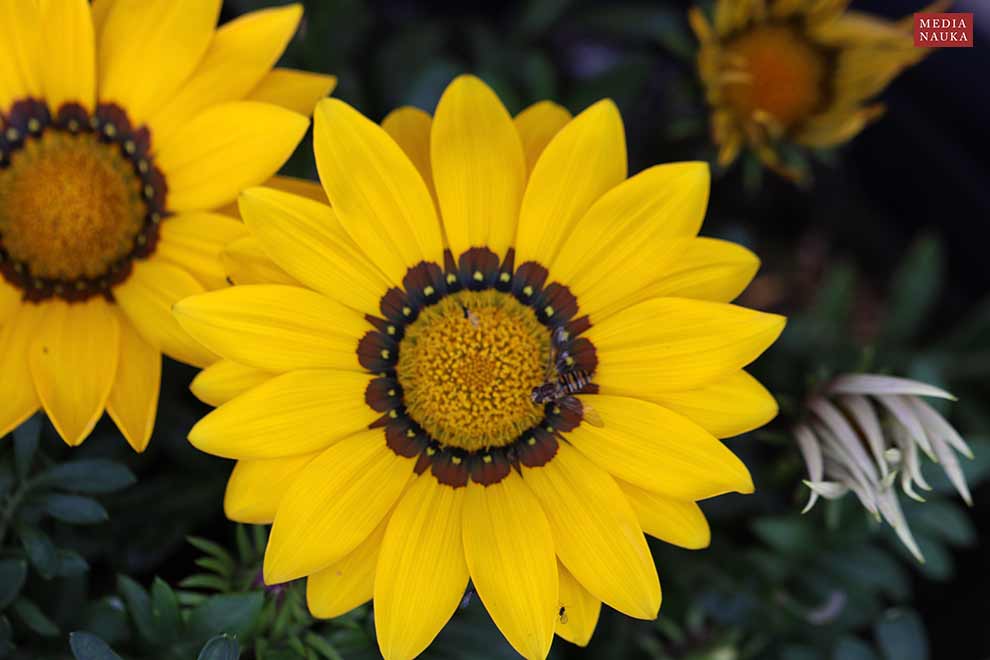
x,y
479,169
583,161
148,48
73,363
510,555
20,40
256,487
274,327
226,148
350,582
246,262
579,610
410,128
294,90
194,241
147,297
596,532
375,190
658,450
295,413
221,382
133,401
675,521
537,125
697,343
306,239
68,66
18,398
334,504
241,53
421,573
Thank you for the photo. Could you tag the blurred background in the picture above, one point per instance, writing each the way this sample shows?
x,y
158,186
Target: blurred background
x,y
881,262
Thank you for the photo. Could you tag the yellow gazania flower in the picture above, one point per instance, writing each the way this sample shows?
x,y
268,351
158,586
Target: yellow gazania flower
x,y
123,123
378,391
795,71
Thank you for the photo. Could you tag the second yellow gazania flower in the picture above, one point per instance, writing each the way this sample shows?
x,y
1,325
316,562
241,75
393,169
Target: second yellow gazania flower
x,y
124,123
803,72
381,356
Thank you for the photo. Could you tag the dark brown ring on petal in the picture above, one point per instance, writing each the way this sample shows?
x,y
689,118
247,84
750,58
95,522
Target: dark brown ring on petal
x,y
377,352
478,269
450,467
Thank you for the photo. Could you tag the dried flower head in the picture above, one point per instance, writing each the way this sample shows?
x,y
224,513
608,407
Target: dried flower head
x,y
863,434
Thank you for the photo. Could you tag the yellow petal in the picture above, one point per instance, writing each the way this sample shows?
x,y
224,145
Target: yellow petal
x,y
295,413
147,297
69,63
194,241
10,301
274,327
306,239
537,125
221,382
20,46
672,520
241,53
133,400
298,91
479,169
256,487
375,190
697,343
579,610
100,9
583,161
707,269
421,573
333,505
659,450
627,238
246,262
302,187
73,363
510,555
410,128
148,48
734,404
227,148
348,583
18,397
596,532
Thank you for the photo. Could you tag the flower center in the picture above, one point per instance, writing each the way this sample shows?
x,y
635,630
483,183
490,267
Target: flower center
x,y
780,73
79,199
468,366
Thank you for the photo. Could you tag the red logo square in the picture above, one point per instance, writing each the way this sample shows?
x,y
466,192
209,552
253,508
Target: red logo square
x,y
943,30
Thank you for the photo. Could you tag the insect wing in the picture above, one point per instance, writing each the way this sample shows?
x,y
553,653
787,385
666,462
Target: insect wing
x,y
581,409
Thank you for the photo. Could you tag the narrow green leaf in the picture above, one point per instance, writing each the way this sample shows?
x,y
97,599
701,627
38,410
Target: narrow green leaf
x,y
244,548
139,607
75,510
164,611
87,646
12,575
210,548
40,551
32,617
323,647
915,286
217,566
26,445
87,476
221,647
226,613
70,563
204,581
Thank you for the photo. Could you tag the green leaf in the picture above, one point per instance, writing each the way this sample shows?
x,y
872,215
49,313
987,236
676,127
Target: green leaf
x,y
70,563
32,617
13,572
87,646
139,606
221,647
915,286
88,476
205,581
943,520
788,534
323,647
26,445
40,551
218,566
75,510
901,636
164,611
226,613
852,648
211,548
